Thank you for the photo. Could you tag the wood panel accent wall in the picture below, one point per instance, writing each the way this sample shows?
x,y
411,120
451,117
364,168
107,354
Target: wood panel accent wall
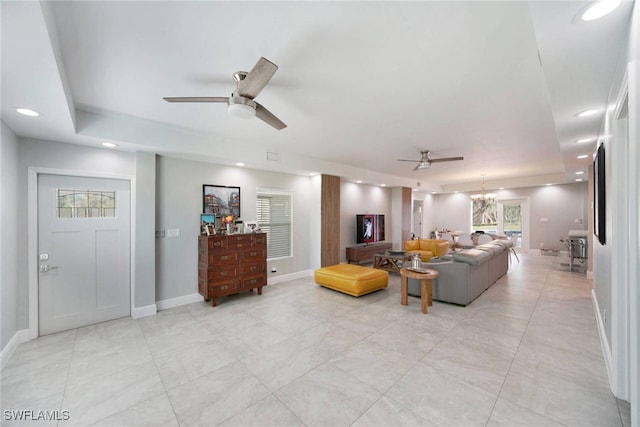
x,y
330,220
406,213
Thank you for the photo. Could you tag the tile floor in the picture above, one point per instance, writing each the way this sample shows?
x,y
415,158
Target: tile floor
x,y
525,353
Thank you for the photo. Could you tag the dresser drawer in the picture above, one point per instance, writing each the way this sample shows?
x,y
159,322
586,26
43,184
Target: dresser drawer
x,y
220,258
223,288
253,269
254,281
223,273
253,253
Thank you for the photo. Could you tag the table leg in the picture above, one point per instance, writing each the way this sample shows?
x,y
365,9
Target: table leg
x,y
424,296
430,290
404,294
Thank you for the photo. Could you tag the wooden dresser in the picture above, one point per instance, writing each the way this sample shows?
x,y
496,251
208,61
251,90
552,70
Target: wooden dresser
x,y
229,264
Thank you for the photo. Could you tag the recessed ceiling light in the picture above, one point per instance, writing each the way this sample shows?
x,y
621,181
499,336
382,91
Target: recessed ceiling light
x,y
109,145
358,182
583,156
583,140
501,188
587,113
548,184
383,185
578,179
599,8
27,112
239,164
580,173
434,192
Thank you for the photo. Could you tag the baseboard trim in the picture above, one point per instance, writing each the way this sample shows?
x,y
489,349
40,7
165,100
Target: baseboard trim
x,y
178,301
147,310
606,350
18,338
291,276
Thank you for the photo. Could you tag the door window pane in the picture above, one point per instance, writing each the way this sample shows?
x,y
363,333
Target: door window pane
x,y
86,204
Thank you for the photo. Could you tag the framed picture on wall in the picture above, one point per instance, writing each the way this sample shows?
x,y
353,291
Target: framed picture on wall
x,y
599,196
221,200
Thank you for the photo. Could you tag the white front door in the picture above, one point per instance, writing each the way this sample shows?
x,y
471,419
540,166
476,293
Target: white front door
x,y
84,251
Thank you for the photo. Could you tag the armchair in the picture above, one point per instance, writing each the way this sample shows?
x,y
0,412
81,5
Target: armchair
x,y
427,248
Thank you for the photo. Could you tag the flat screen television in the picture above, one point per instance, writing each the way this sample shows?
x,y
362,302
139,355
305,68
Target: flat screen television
x,y
369,228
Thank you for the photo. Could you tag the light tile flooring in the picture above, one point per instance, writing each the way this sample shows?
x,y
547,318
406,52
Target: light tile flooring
x,y
525,353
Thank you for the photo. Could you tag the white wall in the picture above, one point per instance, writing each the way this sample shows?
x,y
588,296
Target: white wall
x,y
560,204
429,215
616,270
452,212
8,235
362,199
179,205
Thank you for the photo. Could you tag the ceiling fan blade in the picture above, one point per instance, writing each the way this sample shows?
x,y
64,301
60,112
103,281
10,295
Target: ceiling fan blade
x,y
417,167
267,117
405,160
197,99
446,159
257,78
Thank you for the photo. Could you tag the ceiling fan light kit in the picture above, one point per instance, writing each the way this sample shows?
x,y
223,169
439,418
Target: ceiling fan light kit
x,y
242,108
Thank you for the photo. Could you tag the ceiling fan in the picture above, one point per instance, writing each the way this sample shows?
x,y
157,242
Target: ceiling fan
x,y
425,161
248,86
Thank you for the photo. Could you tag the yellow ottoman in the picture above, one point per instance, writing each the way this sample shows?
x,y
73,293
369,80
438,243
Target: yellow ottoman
x,y
351,279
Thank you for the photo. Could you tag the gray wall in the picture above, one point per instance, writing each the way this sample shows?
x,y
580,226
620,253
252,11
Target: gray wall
x,y
179,204
8,235
559,204
362,199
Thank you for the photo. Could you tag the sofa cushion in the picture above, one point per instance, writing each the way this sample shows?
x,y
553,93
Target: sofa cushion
x,y
424,255
426,245
506,244
411,245
487,247
439,247
472,256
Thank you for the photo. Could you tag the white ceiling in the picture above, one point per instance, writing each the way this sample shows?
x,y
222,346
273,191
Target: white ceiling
x,y
360,84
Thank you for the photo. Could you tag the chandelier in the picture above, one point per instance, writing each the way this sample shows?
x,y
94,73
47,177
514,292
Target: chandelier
x,y
483,195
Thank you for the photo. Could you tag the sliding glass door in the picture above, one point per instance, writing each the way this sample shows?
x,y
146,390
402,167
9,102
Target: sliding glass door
x,y
513,220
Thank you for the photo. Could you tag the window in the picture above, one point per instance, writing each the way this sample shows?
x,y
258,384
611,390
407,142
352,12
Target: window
x,y
485,216
273,213
86,204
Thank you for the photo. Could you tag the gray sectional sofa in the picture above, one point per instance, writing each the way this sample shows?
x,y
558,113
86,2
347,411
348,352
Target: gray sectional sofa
x,y
465,274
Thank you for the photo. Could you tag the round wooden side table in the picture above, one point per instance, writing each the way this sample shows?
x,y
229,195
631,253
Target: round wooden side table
x,y
426,286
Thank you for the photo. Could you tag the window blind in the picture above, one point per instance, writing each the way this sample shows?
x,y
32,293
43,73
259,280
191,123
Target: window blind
x,y
273,214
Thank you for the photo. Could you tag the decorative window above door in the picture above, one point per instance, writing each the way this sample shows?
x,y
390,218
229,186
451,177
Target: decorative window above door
x,y
85,204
